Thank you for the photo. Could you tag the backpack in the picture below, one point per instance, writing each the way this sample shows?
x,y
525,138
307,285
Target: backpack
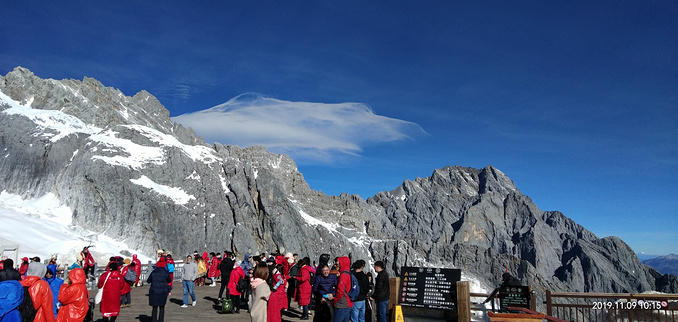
x,y
170,268
26,307
242,285
226,306
355,288
130,276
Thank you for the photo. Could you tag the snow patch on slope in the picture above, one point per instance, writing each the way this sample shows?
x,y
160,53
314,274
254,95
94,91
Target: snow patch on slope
x,y
178,195
42,227
52,124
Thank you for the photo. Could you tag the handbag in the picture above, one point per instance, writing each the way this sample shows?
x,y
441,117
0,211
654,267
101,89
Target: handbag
x,y
100,292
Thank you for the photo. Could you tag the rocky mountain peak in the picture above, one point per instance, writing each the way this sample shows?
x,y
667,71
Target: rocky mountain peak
x,y
126,171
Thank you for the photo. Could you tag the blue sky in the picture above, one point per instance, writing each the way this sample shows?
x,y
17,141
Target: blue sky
x,y
576,101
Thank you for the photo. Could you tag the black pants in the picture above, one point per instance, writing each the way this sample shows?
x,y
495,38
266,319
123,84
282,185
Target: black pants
x,y
111,319
236,304
323,311
126,298
291,289
89,271
224,285
155,317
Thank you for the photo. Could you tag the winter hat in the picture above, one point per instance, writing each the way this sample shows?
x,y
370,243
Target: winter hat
x,y
36,269
161,262
25,259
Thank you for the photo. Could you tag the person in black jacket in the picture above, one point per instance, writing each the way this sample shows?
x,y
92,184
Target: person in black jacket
x,y
159,290
358,309
381,291
226,266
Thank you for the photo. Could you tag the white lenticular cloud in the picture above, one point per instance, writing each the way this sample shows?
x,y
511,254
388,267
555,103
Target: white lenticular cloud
x,y
309,130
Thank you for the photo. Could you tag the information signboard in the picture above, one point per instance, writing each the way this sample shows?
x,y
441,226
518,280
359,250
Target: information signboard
x,y
515,296
427,287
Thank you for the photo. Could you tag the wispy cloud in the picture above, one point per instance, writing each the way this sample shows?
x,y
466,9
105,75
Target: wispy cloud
x,y
311,131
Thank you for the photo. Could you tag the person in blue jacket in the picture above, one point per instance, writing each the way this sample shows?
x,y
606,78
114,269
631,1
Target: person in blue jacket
x,y
11,293
325,288
54,285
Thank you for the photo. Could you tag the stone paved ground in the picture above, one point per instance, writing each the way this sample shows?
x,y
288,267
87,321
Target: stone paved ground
x,y
205,309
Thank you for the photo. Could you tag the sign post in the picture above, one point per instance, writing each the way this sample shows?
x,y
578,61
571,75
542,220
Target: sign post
x,y
514,296
431,288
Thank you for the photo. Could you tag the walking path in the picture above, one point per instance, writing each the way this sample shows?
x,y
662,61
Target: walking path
x,y
205,309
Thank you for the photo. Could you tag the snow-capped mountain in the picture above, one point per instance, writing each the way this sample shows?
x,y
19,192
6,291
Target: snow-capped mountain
x,y
125,171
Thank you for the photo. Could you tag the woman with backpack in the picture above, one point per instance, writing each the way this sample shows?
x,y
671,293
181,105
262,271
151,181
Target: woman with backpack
x,y
236,274
127,273
41,295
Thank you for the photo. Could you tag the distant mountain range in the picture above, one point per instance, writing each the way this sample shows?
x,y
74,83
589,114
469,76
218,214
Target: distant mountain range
x,y
643,257
128,172
664,264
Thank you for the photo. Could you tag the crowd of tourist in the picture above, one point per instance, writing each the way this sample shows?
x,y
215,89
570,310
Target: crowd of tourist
x,y
264,285
32,291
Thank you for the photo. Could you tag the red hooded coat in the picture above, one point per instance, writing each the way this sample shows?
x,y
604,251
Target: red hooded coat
x,y
344,282
110,302
74,297
137,266
213,270
304,285
236,274
278,299
128,286
41,294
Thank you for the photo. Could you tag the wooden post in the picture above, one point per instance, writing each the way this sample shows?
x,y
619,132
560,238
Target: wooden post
x,y
393,285
464,301
549,307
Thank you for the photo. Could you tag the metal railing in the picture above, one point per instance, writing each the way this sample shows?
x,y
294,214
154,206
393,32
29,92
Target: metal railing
x,y
603,307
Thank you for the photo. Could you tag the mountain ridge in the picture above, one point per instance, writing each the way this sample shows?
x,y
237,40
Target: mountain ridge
x,y
137,176
667,264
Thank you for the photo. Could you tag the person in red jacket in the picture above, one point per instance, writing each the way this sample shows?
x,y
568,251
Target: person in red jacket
x,y
137,269
213,270
88,262
41,294
74,297
342,303
24,267
304,286
112,284
126,296
236,274
278,299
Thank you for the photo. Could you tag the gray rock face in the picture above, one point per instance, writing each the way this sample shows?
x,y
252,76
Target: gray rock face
x,y
128,172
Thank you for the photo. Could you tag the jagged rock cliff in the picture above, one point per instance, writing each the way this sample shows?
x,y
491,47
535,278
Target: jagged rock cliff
x,y
128,172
